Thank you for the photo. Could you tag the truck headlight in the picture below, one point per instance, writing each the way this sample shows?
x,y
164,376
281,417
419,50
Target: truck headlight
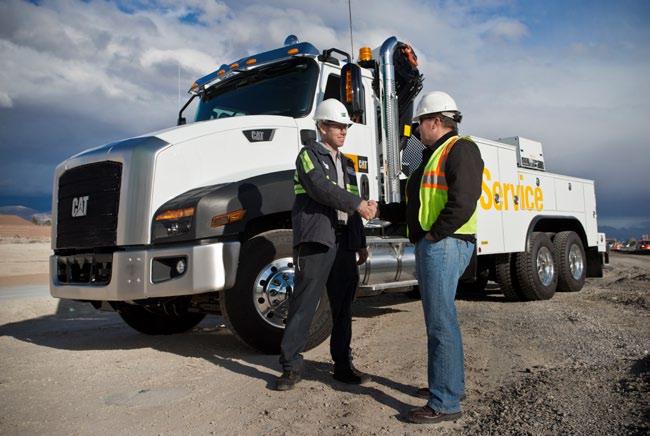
x,y
173,222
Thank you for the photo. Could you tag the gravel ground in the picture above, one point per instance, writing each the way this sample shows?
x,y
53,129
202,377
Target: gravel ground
x,y
576,364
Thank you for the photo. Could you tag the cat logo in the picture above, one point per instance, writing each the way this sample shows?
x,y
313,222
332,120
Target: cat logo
x,y
360,162
79,206
259,135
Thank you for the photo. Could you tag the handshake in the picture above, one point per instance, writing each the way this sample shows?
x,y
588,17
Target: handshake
x,y
368,209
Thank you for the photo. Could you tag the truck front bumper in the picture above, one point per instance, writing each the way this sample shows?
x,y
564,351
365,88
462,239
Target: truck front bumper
x,y
209,267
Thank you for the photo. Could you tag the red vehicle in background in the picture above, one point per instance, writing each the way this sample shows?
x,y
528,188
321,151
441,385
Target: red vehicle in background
x,y
643,246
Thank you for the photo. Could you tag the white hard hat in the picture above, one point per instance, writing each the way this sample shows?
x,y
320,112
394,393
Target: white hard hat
x,y
437,102
332,110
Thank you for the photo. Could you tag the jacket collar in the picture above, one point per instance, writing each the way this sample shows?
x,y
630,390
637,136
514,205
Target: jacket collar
x,y
441,141
318,147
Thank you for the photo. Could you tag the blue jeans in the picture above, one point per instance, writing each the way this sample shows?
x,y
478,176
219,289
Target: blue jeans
x,y
439,266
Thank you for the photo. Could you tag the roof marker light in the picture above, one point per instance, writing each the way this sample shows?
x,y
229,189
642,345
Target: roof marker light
x,y
293,51
234,66
251,61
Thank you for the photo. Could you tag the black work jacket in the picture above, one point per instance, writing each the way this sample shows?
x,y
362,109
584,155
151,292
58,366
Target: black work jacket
x,y
318,196
463,171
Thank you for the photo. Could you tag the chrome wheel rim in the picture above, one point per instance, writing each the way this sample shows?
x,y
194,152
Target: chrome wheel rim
x,y
545,266
576,262
272,289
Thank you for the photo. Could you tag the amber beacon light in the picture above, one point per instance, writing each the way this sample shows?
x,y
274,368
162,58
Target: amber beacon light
x,y
365,54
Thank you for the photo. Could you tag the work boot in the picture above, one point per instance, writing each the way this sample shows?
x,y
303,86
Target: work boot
x,y
287,380
426,415
350,375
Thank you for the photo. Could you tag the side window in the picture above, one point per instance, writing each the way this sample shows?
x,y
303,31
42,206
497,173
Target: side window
x,y
333,90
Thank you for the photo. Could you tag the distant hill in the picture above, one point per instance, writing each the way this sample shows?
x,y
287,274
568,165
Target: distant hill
x,y
27,213
13,220
14,229
625,233
21,211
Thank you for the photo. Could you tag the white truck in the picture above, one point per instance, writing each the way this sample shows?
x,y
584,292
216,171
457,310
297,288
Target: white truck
x,y
170,226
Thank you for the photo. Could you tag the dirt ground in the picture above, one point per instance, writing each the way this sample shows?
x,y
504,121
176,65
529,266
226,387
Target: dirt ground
x,y
576,364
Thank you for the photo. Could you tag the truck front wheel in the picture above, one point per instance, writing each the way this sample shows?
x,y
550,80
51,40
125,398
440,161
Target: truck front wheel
x,y
536,270
256,308
168,319
570,257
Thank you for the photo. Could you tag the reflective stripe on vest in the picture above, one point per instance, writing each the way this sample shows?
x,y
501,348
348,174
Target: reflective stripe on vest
x,y
433,190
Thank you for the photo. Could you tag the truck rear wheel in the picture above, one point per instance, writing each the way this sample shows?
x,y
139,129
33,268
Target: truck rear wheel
x,y
570,257
256,308
166,319
506,275
536,271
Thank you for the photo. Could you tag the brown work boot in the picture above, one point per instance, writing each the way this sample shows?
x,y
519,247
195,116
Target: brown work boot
x,y
426,415
287,381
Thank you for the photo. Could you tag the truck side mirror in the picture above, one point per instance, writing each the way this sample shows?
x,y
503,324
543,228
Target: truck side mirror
x,y
352,91
181,119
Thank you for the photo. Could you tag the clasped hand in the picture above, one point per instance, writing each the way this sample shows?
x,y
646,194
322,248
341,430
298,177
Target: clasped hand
x,y
368,209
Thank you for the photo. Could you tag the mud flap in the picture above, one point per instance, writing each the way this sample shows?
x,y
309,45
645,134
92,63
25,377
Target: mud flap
x,y
594,262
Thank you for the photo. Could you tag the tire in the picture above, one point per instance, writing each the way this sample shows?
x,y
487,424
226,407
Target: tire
x,y
570,258
506,277
536,269
476,285
254,310
168,319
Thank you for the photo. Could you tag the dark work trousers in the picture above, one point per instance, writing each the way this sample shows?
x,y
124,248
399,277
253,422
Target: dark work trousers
x,y
319,267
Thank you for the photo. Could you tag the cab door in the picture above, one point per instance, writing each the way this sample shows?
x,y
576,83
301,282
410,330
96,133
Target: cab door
x,y
360,140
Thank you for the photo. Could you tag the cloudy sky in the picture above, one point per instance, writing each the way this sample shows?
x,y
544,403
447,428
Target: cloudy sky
x,y
571,74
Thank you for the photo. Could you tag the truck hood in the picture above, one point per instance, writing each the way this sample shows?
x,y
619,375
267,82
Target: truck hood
x,y
162,165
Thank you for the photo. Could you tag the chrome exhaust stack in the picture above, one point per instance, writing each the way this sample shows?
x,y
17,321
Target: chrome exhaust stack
x,y
389,123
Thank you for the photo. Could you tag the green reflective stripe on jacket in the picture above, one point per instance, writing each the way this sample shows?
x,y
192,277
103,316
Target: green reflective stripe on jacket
x,y
354,189
433,190
307,164
297,187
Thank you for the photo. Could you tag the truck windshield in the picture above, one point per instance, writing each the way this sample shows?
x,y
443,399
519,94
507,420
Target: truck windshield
x,y
286,88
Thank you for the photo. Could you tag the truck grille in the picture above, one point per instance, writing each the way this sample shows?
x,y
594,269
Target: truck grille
x,y
88,268
88,204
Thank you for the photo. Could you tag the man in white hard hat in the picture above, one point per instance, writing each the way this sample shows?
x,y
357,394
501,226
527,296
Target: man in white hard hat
x,y
327,236
441,218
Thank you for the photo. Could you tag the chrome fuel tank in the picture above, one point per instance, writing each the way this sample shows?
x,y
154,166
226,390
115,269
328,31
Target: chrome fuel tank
x,y
390,266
